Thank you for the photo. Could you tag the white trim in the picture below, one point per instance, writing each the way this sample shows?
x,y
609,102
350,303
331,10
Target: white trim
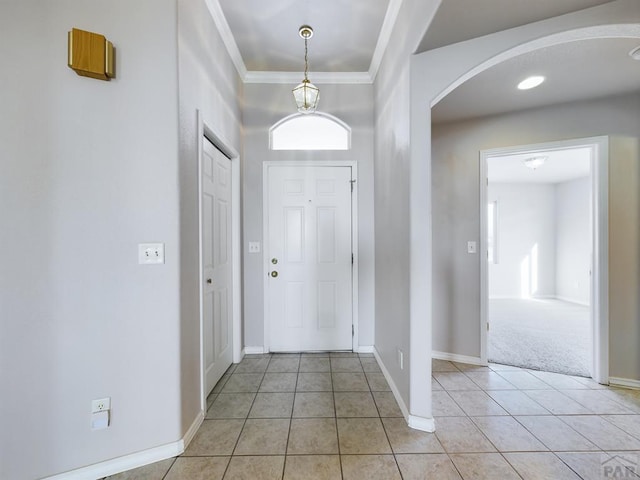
x,y
122,464
236,258
193,429
318,78
134,460
484,261
600,258
624,382
254,350
392,385
383,38
227,37
453,357
204,130
354,236
599,307
365,349
422,423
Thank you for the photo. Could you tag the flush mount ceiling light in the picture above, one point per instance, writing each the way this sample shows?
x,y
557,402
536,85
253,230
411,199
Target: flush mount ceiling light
x,y
635,53
530,82
534,162
306,94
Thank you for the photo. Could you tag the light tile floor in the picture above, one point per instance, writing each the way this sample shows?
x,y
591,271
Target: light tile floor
x,y
333,416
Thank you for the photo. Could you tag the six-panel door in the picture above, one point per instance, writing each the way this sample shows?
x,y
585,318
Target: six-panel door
x,y
309,299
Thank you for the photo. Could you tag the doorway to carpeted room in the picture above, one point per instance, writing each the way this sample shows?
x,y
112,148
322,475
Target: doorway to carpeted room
x,y
542,334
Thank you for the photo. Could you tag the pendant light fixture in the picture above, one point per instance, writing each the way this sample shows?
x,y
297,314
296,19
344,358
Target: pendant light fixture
x,y
306,94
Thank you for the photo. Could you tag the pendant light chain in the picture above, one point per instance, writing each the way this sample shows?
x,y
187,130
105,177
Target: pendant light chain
x,y
306,64
306,94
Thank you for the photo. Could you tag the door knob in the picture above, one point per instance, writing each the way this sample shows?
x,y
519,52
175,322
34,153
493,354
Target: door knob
x,y
274,274
209,281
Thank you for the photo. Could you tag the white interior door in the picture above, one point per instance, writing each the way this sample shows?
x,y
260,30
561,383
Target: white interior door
x,y
216,263
309,299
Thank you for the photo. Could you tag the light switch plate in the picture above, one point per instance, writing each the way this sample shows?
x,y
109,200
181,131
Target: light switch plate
x,y
150,253
472,247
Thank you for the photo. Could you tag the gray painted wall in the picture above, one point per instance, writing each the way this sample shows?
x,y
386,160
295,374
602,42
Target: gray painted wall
x,y
88,171
455,187
209,83
263,106
392,175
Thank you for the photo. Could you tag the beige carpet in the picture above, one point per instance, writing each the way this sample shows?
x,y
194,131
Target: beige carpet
x,y
549,335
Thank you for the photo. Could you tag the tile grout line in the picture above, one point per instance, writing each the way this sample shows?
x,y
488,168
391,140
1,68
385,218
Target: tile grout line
x,y
335,418
286,446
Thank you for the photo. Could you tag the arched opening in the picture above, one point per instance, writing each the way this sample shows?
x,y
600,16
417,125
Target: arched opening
x,y
454,66
314,131
507,128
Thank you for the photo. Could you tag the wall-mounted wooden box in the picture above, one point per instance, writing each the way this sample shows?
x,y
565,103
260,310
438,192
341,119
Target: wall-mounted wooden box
x,y
90,54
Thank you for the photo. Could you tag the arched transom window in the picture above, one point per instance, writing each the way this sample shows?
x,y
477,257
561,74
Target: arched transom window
x,y
310,131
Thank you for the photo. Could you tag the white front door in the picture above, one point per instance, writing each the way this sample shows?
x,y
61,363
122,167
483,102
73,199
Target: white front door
x,y
309,292
216,263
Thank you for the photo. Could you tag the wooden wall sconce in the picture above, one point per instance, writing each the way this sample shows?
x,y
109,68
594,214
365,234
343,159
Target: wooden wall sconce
x,y
91,55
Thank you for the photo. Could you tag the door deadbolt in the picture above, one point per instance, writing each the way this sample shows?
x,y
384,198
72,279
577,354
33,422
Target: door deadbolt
x,y
274,274
209,281
274,261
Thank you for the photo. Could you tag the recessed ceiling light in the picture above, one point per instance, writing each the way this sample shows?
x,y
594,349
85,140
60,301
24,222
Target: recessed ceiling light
x,y
530,82
635,53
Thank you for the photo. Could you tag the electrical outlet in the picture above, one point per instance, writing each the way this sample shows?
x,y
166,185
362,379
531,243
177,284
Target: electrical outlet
x,y
101,405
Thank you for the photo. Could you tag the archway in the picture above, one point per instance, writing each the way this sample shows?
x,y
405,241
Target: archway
x,y
433,75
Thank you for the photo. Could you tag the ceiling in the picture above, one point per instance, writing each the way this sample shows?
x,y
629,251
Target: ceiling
x,y
345,33
574,71
351,35
559,166
460,20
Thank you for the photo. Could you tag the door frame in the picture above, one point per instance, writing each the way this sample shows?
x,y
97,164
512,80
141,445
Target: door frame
x,y
354,238
599,308
208,133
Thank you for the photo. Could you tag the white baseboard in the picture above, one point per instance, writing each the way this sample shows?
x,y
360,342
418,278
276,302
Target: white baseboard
x,y
365,349
193,429
453,357
134,460
392,385
253,350
121,464
422,423
624,382
418,423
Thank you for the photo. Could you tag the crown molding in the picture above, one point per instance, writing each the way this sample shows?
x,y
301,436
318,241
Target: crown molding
x,y
227,37
294,77
385,35
315,77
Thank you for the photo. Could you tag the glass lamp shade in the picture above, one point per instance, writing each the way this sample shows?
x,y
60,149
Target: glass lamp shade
x,y
307,96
